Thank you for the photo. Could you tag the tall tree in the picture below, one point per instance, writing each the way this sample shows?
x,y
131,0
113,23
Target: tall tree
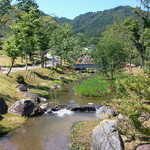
x,y
68,46
24,28
134,27
47,26
11,47
113,49
25,5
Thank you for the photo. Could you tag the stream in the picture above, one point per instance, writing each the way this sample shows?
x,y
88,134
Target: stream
x,y
49,132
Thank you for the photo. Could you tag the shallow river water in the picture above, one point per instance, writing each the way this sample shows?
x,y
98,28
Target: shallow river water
x,y
48,132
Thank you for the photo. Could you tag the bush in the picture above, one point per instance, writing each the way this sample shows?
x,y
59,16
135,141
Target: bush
x,y
138,85
20,79
132,93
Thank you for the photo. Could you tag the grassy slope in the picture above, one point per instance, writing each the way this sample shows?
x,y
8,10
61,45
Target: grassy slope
x,y
39,80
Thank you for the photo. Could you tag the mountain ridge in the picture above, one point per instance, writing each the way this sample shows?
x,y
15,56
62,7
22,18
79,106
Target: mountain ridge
x,y
92,24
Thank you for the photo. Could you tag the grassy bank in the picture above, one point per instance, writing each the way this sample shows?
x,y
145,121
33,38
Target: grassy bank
x,y
97,86
10,122
81,134
94,87
38,81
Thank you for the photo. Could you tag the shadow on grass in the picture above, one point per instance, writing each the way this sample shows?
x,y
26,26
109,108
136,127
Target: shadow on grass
x,y
56,70
43,77
3,131
8,98
1,117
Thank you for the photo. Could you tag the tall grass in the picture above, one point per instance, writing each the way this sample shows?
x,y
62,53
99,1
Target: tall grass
x,y
93,87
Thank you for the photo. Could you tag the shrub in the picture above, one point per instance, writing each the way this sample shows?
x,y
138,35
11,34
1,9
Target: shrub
x,y
132,108
132,93
138,85
20,79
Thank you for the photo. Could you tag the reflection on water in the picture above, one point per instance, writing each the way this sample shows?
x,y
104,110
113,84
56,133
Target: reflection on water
x,y
48,132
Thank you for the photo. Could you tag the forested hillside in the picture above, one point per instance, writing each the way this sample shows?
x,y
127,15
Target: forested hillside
x,y
94,23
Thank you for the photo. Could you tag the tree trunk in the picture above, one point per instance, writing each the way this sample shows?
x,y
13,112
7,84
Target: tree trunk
x,y
130,59
60,61
30,56
42,61
142,61
26,61
12,63
112,70
52,60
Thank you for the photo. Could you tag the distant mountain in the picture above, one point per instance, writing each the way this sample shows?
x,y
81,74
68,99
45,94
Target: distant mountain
x,y
63,20
94,23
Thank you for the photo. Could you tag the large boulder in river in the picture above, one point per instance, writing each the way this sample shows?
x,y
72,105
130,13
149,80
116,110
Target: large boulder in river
x,y
34,97
104,112
3,106
97,106
22,88
106,137
22,107
84,108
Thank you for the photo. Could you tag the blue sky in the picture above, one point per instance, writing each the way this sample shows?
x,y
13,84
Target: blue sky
x,y
72,8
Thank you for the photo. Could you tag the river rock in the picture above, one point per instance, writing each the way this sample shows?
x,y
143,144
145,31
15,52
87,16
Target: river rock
x,y
143,147
71,106
104,112
60,77
34,97
54,87
22,88
106,137
45,106
23,107
84,108
48,107
37,111
144,116
97,106
3,106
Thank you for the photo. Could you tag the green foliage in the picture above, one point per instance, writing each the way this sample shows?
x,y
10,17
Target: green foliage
x,y
112,51
136,85
11,47
132,92
65,44
96,86
132,108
